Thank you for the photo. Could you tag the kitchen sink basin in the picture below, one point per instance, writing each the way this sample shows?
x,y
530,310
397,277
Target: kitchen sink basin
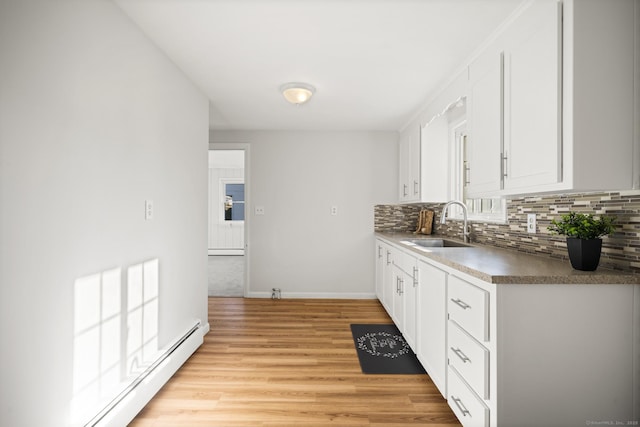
x,y
436,243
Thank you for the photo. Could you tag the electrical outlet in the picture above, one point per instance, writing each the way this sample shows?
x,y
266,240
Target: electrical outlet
x,y
148,209
334,210
531,223
259,210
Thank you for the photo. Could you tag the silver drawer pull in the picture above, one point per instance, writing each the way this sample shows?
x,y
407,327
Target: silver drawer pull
x,y
460,406
461,355
461,303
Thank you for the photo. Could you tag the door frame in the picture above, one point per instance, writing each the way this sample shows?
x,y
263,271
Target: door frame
x,y
241,146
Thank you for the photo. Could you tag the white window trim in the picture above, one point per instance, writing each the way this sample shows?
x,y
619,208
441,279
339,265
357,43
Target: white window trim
x,y
457,129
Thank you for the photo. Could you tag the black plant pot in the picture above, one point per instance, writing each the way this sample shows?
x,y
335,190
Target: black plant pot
x,y
584,254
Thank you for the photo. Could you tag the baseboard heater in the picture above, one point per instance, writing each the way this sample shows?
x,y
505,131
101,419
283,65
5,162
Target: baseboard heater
x,y
124,407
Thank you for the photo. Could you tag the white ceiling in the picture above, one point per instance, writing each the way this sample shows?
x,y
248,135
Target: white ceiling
x,y
374,63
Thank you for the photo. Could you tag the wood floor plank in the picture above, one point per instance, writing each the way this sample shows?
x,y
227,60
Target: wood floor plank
x,y
280,363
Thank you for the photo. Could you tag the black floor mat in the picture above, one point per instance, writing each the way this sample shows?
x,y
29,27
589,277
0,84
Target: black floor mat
x,y
383,350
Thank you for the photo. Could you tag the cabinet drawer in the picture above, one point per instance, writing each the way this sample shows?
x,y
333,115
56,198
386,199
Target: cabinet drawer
x,y
405,262
468,306
469,409
470,359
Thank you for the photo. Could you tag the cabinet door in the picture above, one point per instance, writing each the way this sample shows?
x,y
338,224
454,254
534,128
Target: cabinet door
x,y
410,294
532,88
432,321
388,287
404,193
414,164
380,266
409,166
397,312
484,114
435,159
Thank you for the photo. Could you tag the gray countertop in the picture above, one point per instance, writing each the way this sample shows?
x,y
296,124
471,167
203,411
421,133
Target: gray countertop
x,y
502,266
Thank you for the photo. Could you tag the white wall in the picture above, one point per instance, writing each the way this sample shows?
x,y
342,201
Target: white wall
x,y
93,121
297,245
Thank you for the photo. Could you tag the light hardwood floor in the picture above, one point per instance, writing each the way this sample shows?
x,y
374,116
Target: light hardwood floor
x,y
286,363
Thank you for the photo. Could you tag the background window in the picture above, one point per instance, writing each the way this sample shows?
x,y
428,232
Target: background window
x,y
234,202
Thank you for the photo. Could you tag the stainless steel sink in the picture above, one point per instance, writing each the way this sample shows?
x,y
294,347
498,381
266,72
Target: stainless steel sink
x,y
436,243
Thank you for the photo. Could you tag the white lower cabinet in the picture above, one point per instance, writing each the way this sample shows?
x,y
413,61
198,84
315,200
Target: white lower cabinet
x,y
397,311
541,354
404,298
517,354
432,323
469,358
468,407
397,287
384,274
468,306
410,327
469,344
383,271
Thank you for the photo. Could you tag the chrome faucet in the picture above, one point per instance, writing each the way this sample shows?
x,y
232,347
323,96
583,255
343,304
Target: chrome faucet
x,y
465,229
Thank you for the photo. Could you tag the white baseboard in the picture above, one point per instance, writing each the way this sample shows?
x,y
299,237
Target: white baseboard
x,y
226,252
314,295
132,404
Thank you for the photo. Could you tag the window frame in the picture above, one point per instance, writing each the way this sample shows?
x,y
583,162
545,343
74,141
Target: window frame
x,y
458,138
223,195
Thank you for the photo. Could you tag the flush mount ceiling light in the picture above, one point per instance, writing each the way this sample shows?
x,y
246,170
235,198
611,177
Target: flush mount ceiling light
x,y
297,93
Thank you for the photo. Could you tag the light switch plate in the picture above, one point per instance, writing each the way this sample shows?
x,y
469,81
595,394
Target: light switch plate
x,y
148,209
531,223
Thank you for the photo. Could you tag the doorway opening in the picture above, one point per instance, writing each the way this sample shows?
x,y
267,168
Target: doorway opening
x,y
226,243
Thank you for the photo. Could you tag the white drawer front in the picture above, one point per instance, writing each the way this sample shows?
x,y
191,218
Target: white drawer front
x,y
405,262
470,359
469,409
468,306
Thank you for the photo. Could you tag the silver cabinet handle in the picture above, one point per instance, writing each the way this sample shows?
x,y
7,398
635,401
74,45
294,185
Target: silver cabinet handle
x,y
460,303
460,406
466,174
460,354
379,251
388,257
503,163
404,189
399,285
415,187
415,276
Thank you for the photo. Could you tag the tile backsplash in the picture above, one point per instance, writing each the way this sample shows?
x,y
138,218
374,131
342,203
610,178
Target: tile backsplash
x,y
620,251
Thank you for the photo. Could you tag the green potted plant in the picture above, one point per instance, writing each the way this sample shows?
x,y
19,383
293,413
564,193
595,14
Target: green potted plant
x,y
584,232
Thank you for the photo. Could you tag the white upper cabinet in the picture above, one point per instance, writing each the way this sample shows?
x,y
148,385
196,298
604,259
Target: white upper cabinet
x,y
484,114
551,105
532,146
601,66
409,166
432,319
514,142
435,160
